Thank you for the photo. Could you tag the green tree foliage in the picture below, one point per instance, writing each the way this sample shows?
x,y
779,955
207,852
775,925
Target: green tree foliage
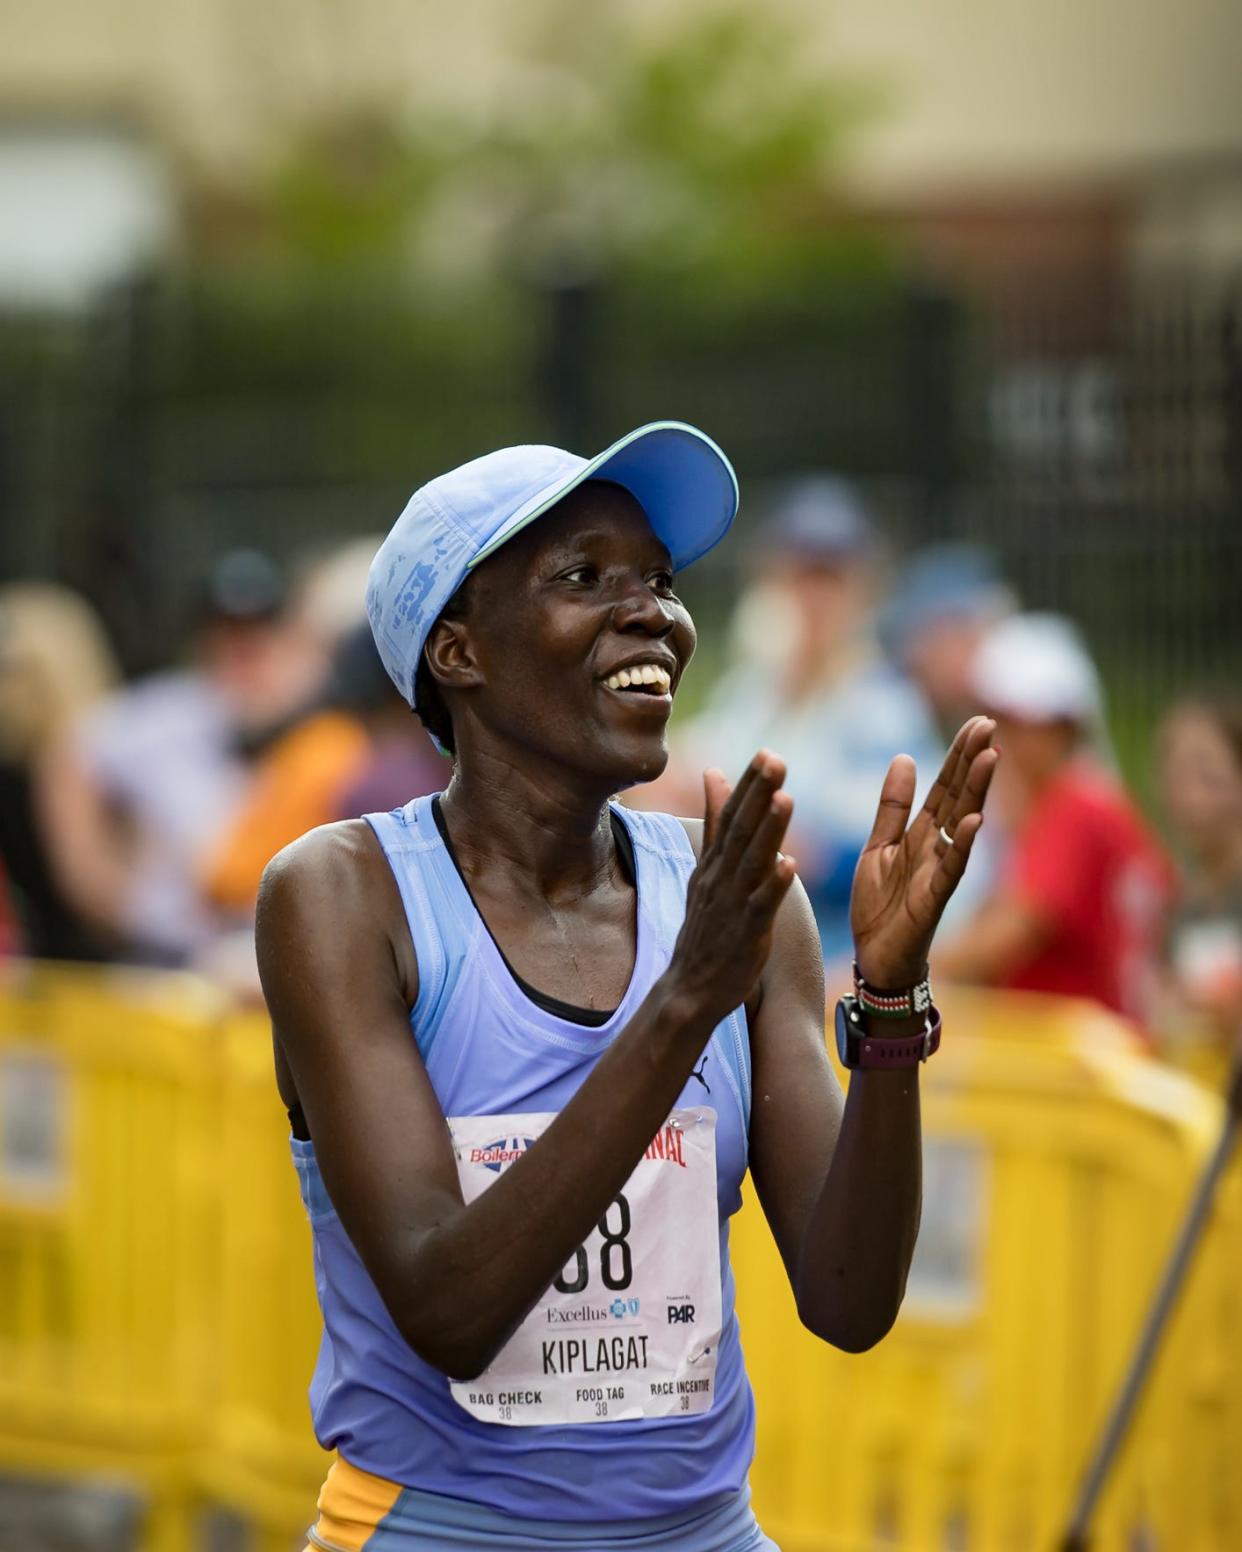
x,y
708,147
682,176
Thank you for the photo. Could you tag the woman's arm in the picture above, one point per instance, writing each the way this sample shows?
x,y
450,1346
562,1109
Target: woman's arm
x,y
1003,935
459,1279
840,1180
87,851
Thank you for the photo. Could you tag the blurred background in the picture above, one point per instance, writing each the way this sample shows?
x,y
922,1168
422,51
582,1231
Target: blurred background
x,y
958,289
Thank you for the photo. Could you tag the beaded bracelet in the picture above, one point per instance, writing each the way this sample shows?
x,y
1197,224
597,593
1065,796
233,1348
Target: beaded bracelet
x,y
895,1005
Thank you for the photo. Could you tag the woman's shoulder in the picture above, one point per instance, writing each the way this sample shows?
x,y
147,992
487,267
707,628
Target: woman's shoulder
x,y
341,853
666,831
694,832
333,878
332,892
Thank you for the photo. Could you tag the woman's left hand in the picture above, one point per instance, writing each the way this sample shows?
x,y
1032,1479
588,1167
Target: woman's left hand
x,y
905,875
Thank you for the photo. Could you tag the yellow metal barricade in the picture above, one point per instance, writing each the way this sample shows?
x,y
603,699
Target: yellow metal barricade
x,y
1059,1161
263,1462
107,1191
158,1321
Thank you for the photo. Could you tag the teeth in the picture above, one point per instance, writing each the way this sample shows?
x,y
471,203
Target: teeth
x,y
641,673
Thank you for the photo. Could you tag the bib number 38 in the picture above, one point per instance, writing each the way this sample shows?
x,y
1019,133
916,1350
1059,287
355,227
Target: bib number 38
x,y
613,1274
630,1326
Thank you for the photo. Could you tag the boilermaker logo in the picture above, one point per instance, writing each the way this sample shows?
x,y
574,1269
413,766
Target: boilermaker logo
x,y
667,1145
495,1155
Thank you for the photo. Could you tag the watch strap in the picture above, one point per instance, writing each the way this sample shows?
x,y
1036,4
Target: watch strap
x,y
868,1050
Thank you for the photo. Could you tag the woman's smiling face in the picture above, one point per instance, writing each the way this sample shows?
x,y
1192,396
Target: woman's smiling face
x,y
1201,779
573,643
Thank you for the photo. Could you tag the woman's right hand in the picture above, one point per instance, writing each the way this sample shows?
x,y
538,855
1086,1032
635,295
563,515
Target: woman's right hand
x,y
737,888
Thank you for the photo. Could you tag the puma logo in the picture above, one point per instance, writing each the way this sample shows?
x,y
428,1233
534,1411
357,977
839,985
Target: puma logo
x,y
697,1072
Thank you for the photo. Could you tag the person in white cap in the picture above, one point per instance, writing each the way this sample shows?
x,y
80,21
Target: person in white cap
x,y
1079,903
530,1041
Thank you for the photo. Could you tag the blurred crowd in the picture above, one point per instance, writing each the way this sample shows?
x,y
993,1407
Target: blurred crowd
x,y
136,818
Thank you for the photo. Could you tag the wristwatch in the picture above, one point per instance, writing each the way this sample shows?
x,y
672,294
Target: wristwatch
x,y
859,1046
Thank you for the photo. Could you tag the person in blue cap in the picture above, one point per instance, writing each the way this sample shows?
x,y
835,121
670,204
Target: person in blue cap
x,y
947,599
807,676
530,1041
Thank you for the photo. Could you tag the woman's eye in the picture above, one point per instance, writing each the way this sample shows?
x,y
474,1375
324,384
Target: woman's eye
x,y
662,581
583,574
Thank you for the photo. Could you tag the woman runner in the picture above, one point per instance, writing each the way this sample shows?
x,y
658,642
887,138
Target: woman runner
x,y
531,1041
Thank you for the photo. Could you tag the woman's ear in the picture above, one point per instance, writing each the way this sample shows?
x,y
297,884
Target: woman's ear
x,y
451,657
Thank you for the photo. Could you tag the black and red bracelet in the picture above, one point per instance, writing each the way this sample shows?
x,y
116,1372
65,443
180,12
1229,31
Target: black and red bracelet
x,y
912,1002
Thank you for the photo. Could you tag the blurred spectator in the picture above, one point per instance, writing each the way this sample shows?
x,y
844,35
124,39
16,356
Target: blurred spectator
x,y
357,744
1078,909
1201,786
10,939
808,681
402,762
55,663
947,599
154,774
331,586
324,601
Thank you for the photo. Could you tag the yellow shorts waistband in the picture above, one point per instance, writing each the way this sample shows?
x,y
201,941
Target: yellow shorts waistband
x,y
352,1504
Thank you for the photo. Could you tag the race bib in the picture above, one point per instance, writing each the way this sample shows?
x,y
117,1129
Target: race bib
x,y
631,1326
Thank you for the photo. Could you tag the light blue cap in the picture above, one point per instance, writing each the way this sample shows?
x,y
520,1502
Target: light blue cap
x,y
680,478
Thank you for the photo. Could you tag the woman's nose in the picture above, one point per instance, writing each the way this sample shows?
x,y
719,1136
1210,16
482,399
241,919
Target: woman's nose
x,y
639,609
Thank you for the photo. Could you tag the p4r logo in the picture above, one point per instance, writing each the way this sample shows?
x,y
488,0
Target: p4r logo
x,y
681,1314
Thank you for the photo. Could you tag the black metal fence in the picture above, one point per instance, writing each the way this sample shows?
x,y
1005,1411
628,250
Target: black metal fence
x,y
1095,443
1111,481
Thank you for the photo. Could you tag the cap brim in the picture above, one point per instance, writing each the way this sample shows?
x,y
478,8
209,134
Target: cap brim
x,y
676,473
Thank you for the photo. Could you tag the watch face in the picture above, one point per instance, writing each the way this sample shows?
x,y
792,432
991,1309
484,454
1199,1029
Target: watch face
x,y
843,1032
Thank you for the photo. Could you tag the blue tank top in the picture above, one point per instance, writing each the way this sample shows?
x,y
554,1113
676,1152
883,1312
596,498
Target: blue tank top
x,y
490,1050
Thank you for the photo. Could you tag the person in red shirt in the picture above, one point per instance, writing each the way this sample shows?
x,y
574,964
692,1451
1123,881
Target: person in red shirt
x,y
1079,904
10,938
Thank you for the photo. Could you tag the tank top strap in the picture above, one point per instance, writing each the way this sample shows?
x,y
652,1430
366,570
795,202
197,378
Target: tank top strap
x,y
442,933
662,835
671,852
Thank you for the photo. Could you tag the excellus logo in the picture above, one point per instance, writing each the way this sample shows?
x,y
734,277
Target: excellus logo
x,y
495,1155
